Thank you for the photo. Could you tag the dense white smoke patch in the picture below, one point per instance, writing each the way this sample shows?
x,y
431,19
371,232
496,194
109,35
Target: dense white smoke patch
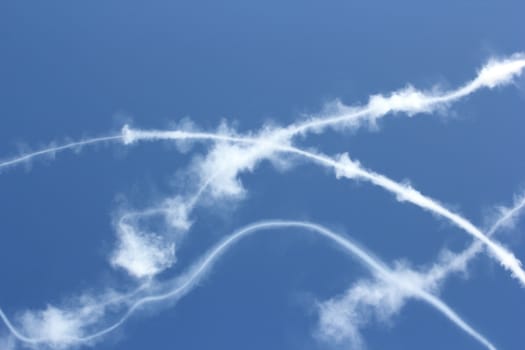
x,y
140,254
499,72
57,328
177,213
342,319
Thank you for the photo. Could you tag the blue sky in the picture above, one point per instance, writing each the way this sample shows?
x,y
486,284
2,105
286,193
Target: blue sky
x,y
76,70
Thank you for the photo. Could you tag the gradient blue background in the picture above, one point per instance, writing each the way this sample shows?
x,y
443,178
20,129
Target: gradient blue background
x,y
74,69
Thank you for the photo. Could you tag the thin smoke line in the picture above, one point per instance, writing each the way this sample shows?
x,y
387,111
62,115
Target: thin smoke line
x,y
376,266
459,260
51,150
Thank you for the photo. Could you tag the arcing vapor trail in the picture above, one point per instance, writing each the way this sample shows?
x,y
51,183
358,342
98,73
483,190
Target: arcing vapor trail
x,y
195,274
459,261
345,167
497,72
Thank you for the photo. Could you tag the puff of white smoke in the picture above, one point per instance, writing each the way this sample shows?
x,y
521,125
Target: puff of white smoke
x,y
128,135
498,72
52,326
222,165
341,319
408,100
142,254
348,168
177,213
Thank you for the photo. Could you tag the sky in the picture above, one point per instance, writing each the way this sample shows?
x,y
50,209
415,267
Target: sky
x,y
179,125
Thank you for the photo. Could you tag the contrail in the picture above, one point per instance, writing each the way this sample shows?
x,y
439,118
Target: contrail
x,y
460,260
411,101
345,167
494,73
195,274
342,317
51,150
14,331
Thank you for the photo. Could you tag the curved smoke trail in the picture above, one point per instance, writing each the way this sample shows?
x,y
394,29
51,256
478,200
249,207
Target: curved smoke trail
x,y
51,150
345,167
196,273
408,100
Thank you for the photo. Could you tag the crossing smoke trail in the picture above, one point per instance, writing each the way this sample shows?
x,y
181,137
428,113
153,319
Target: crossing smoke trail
x,y
264,145
458,262
195,274
345,167
342,317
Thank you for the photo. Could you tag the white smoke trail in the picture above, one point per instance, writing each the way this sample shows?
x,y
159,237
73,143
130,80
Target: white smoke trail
x,y
497,72
342,317
409,100
195,274
458,262
52,150
344,167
